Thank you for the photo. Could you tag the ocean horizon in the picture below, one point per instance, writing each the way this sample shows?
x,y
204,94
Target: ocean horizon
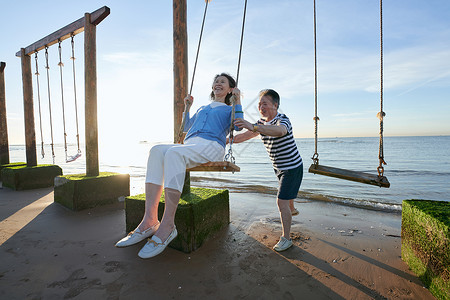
x,y
418,167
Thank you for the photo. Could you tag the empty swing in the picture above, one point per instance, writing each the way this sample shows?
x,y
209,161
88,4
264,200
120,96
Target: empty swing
x,y
39,103
61,65
228,164
47,67
362,177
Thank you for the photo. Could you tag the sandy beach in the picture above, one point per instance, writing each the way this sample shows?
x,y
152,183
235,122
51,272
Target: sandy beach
x,y
339,252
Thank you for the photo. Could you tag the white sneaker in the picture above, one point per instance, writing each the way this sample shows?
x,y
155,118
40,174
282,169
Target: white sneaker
x,y
136,236
155,246
282,244
295,212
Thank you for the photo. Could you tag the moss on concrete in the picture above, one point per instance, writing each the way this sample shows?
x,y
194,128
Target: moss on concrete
x,y
79,191
16,164
425,243
21,177
199,215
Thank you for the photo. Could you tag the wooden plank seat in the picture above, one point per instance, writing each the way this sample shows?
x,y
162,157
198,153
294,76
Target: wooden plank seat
x,y
362,177
215,166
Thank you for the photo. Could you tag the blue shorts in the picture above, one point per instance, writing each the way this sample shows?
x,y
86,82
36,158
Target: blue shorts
x,y
289,182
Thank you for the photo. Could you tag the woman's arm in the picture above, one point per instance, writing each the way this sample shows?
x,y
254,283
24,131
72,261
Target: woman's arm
x,y
238,113
242,137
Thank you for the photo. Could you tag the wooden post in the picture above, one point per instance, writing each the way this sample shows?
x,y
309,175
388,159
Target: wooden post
x,y
90,89
180,71
30,134
4,147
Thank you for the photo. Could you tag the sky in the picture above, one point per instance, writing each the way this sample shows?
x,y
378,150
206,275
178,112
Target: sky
x,y
135,65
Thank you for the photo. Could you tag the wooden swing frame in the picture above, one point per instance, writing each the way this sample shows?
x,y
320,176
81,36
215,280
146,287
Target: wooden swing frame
x,y
88,24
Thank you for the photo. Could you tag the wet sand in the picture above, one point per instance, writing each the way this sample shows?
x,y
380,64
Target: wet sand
x,y
50,252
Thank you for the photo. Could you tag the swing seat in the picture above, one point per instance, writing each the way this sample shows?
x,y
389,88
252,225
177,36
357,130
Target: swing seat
x,y
216,166
73,158
362,177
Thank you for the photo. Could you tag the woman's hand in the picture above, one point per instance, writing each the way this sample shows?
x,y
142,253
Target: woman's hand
x,y
237,94
188,100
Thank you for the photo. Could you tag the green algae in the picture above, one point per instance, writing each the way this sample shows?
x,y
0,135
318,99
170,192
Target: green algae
x,y
425,243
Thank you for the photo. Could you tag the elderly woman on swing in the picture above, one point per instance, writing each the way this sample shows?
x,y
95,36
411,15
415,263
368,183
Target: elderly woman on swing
x,y
205,141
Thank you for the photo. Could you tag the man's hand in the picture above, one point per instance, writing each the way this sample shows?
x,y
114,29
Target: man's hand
x,y
241,123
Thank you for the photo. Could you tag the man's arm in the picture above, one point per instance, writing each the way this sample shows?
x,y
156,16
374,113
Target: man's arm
x,y
270,130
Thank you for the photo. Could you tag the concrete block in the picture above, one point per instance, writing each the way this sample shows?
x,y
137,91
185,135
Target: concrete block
x,y
22,177
200,214
79,191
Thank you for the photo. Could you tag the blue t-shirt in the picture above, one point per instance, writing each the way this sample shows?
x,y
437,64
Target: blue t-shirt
x,y
212,122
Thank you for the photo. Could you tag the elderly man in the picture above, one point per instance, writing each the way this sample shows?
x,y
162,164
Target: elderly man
x,y
275,130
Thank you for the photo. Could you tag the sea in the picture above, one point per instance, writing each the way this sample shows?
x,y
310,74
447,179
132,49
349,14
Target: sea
x,y
418,167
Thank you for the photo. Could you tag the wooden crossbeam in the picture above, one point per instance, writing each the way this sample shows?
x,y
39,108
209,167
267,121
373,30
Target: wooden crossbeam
x,y
350,175
67,31
216,166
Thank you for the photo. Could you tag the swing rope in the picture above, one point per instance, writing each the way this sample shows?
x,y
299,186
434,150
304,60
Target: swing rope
x,y
240,46
379,180
49,102
61,65
198,46
381,114
212,165
316,119
183,121
39,101
233,98
75,96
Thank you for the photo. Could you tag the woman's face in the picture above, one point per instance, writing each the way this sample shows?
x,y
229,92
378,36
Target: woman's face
x,y
221,87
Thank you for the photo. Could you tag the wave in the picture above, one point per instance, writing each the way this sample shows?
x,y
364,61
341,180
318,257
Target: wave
x,y
359,203
236,187
419,172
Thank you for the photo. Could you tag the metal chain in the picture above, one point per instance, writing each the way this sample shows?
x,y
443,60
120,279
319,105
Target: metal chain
x,y
39,101
381,114
230,156
49,102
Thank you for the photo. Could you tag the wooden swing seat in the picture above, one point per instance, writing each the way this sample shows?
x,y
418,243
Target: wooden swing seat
x,y
216,166
362,177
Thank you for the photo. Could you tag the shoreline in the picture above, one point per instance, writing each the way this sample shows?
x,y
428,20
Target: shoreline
x,y
393,208
339,252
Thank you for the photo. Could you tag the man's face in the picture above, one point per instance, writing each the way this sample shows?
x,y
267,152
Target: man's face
x,y
266,107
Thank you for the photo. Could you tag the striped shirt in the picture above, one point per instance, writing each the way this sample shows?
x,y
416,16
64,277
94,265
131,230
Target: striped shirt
x,y
282,150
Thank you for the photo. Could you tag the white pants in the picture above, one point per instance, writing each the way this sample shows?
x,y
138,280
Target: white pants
x,y
167,163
